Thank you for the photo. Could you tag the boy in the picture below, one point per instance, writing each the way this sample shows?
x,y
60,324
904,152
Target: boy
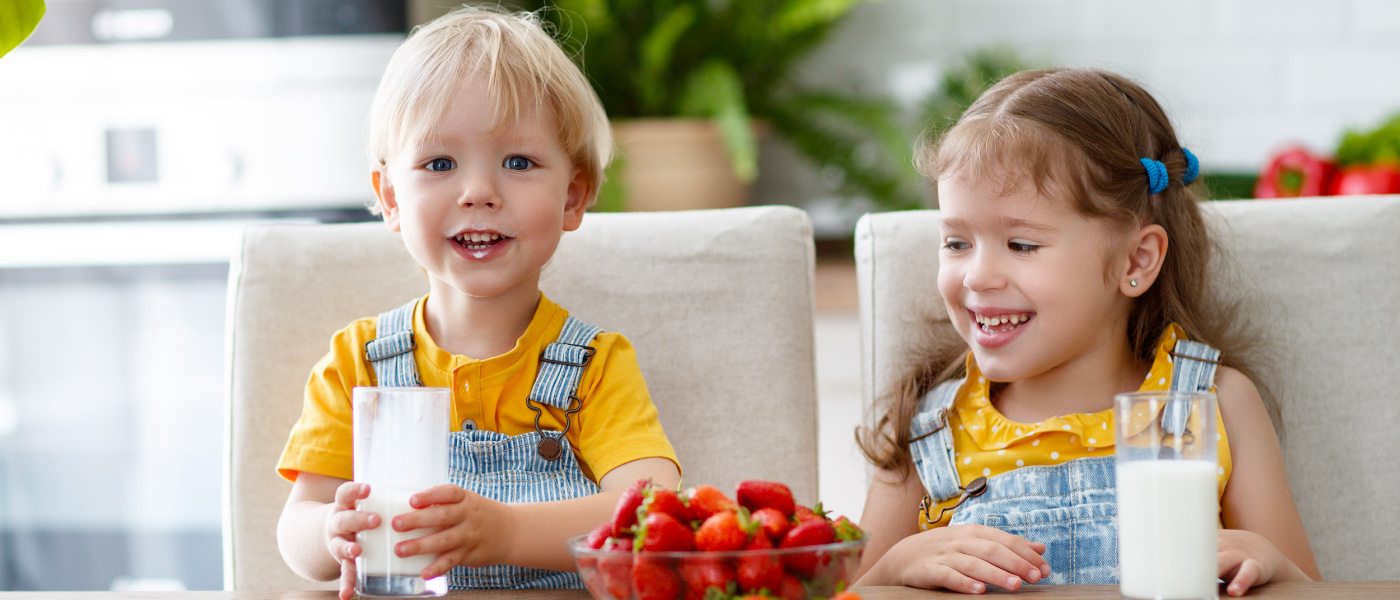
x,y
489,144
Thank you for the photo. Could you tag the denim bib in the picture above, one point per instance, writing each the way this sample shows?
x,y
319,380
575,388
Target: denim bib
x,y
1070,507
538,466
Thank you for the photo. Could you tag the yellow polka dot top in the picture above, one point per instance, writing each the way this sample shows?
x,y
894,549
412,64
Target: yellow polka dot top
x,y
986,443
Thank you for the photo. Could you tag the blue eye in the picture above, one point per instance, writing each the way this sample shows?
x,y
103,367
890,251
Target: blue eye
x,y
518,163
441,164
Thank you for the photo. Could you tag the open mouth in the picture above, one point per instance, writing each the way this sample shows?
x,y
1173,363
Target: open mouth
x,y
1002,323
479,241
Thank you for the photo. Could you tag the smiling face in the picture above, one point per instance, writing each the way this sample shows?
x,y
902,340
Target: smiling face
x,y
482,204
1023,277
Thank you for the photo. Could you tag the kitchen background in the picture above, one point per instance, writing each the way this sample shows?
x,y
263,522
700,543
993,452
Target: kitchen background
x,y
138,136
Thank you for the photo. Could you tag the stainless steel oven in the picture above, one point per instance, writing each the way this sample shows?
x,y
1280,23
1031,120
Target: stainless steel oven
x,y
137,138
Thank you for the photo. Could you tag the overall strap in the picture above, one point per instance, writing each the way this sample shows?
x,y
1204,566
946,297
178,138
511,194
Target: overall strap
x,y
391,352
562,364
1192,371
931,442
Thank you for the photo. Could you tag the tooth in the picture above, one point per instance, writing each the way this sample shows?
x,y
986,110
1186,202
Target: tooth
x,y
1015,319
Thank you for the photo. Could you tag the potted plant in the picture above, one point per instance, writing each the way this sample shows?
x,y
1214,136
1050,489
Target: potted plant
x,y
720,72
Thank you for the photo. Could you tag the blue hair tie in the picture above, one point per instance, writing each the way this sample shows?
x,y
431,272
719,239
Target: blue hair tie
x,y
1156,175
1193,167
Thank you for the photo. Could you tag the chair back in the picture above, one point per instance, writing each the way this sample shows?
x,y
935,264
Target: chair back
x,y
1319,275
718,304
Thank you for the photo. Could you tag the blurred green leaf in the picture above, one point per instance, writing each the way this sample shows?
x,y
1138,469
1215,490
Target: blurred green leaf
x,y
714,91
656,49
1378,145
801,15
18,18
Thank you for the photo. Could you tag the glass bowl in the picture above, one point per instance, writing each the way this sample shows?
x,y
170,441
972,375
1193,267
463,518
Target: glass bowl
x,y
804,572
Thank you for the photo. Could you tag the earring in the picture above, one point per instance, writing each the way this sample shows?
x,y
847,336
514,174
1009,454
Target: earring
x,y
1132,282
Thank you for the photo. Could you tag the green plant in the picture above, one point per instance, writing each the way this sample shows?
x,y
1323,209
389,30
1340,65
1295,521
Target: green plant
x,y
17,20
1379,145
734,61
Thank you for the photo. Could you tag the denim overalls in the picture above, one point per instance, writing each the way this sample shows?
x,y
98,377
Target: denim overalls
x,y
1070,507
532,467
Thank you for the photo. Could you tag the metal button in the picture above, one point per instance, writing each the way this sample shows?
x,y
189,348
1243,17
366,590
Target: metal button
x,y
468,425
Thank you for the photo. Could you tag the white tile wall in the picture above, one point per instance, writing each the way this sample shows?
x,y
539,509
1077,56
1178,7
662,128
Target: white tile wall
x,y
1239,77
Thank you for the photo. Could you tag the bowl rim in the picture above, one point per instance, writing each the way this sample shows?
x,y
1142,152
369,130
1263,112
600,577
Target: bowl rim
x,y
577,549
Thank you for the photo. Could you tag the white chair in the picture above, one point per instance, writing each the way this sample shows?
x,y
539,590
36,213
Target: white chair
x,y
718,304
1323,275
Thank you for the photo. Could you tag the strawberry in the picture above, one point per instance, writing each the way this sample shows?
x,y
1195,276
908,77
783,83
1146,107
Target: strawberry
x,y
702,573
598,536
759,572
846,530
653,579
807,533
722,532
754,494
772,522
847,595
706,500
625,513
665,501
661,532
595,540
791,588
616,567
802,513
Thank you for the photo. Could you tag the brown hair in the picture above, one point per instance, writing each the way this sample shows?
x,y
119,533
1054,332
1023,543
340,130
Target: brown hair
x,y
1081,134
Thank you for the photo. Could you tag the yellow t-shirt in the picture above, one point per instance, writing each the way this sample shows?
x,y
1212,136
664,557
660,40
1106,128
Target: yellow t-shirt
x,y
986,443
616,424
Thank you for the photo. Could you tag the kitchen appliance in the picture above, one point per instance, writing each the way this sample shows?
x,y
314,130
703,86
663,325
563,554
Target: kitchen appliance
x,y
137,138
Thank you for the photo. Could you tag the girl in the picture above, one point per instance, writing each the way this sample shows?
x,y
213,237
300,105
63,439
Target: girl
x,y
1073,260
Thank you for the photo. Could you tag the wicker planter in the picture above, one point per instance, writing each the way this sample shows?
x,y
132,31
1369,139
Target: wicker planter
x,y
676,164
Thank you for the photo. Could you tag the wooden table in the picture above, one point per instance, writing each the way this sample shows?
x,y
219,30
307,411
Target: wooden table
x,y
1323,590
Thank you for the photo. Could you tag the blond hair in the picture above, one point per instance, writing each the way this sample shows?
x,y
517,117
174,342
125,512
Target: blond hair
x,y
1081,134
524,69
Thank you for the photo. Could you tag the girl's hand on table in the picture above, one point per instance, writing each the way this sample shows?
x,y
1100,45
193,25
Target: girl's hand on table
x,y
1247,559
342,524
966,558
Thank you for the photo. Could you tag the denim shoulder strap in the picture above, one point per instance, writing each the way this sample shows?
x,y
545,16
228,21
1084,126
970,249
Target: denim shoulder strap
x,y
562,364
391,351
1192,371
931,442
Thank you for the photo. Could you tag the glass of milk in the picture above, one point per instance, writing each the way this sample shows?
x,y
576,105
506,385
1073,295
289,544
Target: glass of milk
x,y
1168,509
400,437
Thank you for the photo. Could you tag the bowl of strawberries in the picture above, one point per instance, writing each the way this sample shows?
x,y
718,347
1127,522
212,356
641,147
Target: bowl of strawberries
x,y
701,544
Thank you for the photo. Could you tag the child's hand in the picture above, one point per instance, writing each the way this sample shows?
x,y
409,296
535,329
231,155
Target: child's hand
x,y
968,558
473,529
342,524
1247,559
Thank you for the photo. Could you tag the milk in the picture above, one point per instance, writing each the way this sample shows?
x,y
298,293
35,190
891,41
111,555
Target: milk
x,y
377,555
1167,515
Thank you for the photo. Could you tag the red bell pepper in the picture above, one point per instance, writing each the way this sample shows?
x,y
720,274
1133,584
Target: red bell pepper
x,y
1366,179
1294,172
